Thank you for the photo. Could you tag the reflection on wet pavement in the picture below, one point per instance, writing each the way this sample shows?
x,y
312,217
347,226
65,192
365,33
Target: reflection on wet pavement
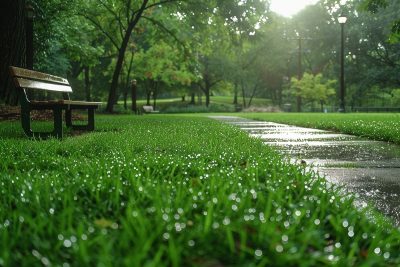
x,y
371,169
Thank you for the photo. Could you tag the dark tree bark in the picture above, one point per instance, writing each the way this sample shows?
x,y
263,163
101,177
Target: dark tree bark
x,y
128,77
155,93
192,99
134,95
121,54
243,94
235,96
12,44
87,82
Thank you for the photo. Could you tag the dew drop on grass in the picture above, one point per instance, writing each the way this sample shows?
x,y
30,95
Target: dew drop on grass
x,y
67,243
386,255
84,237
364,235
166,236
165,217
377,250
60,237
215,225
45,261
345,223
286,224
226,221
258,253
338,245
279,248
191,243
351,233
285,238
234,208
35,253
297,213
317,221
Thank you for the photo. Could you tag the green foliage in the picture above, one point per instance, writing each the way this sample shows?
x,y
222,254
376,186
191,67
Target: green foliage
x,y
396,97
157,191
162,62
235,47
374,6
313,88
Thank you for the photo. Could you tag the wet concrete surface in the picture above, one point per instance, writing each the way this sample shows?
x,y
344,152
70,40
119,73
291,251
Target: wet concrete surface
x,y
370,169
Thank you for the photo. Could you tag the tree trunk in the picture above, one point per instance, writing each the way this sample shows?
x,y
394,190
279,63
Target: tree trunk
x,y
155,90
126,98
243,95
235,96
128,77
121,54
253,94
134,95
87,82
208,97
192,99
206,89
12,44
148,97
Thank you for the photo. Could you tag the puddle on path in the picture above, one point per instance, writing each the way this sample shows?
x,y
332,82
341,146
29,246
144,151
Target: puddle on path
x,y
371,169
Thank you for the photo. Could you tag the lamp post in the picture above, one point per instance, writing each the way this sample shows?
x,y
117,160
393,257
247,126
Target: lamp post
x,y
134,95
342,107
30,13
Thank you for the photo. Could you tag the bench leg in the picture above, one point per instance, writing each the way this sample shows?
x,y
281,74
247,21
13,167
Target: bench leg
x,y
90,123
68,118
58,128
26,124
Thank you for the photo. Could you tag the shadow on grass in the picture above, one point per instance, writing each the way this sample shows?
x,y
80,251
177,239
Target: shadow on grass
x,y
13,130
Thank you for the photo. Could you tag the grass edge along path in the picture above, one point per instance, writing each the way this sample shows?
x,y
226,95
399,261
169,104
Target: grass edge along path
x,y
175,191
375,126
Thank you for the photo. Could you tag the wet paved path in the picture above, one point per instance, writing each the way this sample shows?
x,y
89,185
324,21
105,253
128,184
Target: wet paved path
x,y
371,169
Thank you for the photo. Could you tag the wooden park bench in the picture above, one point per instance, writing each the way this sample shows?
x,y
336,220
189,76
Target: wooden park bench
x,y
25,79
149,109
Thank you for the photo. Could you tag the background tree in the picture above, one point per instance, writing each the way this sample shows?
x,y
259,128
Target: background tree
x,y
313,88
12,42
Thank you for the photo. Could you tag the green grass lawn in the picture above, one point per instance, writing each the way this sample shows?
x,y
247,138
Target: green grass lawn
x,y
217,104
175,191
377,126
264,102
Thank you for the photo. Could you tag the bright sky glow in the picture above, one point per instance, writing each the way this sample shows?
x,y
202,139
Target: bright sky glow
x,y
288,8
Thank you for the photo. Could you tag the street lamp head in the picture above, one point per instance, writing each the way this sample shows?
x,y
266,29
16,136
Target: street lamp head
x,y
342,19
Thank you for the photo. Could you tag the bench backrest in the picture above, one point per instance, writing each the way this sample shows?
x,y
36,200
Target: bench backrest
x,y
29,79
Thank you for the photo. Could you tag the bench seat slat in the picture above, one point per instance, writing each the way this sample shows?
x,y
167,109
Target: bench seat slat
x,y
64,102
30,84
83,103
35,75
